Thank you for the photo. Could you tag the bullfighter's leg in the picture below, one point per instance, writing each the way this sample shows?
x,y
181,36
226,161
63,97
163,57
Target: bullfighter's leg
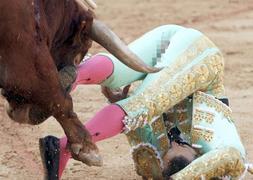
x,y
52,98
170,59
191,62
106,70
99,127
151,48
94,70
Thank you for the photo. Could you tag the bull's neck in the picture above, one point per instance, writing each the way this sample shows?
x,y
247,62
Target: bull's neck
x,y
57,16
63,20
60,17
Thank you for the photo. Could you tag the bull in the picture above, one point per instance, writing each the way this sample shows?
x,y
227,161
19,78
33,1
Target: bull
x,y
38,38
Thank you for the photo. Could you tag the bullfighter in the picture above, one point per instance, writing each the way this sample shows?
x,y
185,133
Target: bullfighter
x,y
199,130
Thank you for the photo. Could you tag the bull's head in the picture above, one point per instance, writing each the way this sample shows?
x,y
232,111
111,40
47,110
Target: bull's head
x,y
104,36
100,33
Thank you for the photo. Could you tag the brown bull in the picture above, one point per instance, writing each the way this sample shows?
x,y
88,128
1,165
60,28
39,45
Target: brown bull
x,y
37,39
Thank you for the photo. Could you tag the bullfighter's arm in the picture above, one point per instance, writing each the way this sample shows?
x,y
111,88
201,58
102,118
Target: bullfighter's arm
x,y
115,95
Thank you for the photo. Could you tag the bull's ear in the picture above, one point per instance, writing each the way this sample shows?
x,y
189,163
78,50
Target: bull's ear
x,y
81,41
80,32
84,29
83,24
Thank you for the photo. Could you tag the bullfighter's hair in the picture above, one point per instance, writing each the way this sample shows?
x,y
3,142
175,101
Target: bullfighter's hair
x,y
175,165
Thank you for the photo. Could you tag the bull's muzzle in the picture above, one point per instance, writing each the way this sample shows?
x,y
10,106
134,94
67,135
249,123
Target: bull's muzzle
x,y
19,114
27,114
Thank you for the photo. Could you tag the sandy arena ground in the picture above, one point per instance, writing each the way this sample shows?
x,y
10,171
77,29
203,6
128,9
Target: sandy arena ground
x,y
229,23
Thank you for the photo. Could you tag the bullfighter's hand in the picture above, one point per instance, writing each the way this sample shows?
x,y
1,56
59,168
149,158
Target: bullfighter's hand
x,y
115,95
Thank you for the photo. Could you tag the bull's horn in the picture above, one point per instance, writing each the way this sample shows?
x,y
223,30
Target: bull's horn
x,y
111,42
91,3
84,3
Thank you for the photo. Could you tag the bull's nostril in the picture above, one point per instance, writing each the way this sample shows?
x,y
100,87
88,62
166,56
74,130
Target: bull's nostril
x,y
10,113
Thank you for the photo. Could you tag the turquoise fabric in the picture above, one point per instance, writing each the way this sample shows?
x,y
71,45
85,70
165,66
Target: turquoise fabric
x,y
224,130
161,47
180,41
150,48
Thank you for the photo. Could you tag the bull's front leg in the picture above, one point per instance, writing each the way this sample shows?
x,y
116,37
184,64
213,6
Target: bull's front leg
x,y
79,139
52,98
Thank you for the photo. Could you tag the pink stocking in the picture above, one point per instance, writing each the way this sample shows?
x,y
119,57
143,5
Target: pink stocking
x,y
94,71
105,124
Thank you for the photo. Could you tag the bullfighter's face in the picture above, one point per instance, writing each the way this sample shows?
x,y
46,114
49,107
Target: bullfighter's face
x,y
178,157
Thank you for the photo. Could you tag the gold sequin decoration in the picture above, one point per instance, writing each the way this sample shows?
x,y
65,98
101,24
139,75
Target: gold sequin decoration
x,y
185,127
220,107
197,134
218,88
181,111
147,161
158,126
164,144
200,115
181,117
174,84
133,138
216,163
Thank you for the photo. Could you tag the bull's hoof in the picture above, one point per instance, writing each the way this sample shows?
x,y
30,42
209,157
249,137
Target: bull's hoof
x,y
91,159
50,155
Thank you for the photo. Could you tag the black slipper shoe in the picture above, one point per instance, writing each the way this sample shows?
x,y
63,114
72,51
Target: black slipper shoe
x,y
50,155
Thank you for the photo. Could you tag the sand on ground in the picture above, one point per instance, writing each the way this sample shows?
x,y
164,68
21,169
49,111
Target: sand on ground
x,y
229,23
